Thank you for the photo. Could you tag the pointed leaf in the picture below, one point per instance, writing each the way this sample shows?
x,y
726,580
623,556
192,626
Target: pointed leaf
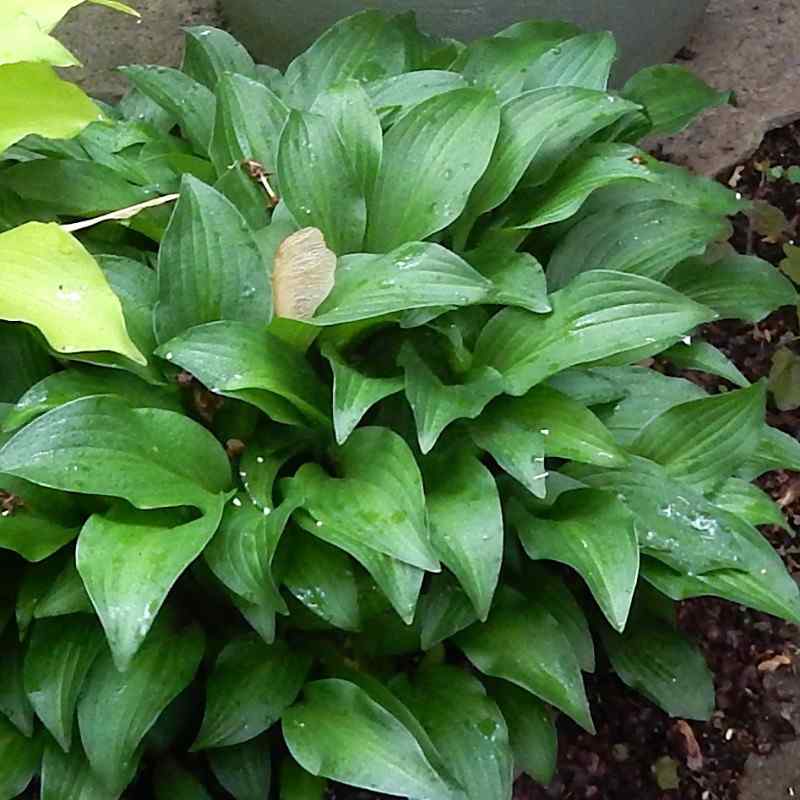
x,y
297,784
211,53
66,595
339,732
394,96
250,688
444,610
209,266
584,60
318,182
700,355
129,560
599,314
452,136
19,760
59,657
244,770
63,293
14,702
68,776
750,503
117,709
518,278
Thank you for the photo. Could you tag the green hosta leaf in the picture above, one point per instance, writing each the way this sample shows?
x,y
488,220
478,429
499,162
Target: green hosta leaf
x,y
189,102
23,39
518,278
100,445
366,47
590,168
323,579
531,730
318,182
14,702
62,387
25,361
592,532
647,238
443,611
350,110
117,709
599,314
663,666
339,732
66,595
129,560
354,393
297,784
584,60
776,450
19,760
737,287
34,583
436,404
247,363
674,523
466,522
750,503
451,137
59,288
209,266
250,688
702,442
68,776
399,93
522,643
784,379
415,275
211,53
59,657
700,355
672,97
171,781
244,770
467,729
34,100
241,135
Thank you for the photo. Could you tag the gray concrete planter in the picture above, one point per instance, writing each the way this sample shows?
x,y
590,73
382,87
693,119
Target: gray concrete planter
x,y
648,31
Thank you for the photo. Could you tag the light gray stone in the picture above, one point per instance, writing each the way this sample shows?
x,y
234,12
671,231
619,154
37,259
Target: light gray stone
x,y
103,39
774,777
752,48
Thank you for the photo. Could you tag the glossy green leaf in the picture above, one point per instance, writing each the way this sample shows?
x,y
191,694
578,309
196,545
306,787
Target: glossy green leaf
x,y
339,732
318,182
444,610
702,442
62,387
700,355
100,445
366,47
663,666
531,730
437,404
297,784
189,102
350,110
672,96
452,136
397,94
584,61
171,781
34,100
522,643
518,278
466,522
776,450
647,238
19,760
66,595
210,53
737,287
209,266
33,585
26,361
241,135
251,686
415,275
590,168
129,560
593,533
59,657
117,709
244,770
68,776
245,362
59,288
598,315
323,579
749,502
467,729
14,702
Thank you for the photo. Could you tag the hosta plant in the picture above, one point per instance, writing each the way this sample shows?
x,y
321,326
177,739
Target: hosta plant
x,y
338,425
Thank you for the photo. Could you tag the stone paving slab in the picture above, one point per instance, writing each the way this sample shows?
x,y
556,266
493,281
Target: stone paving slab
x,y
753,48
103,39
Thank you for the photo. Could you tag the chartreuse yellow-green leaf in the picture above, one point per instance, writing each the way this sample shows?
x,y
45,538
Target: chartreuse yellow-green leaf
x,y
56,285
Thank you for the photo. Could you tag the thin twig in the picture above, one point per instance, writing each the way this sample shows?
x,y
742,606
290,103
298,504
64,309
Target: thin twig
x,y
123,213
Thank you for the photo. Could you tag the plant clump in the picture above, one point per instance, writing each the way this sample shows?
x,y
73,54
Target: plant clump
x,y
333,437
